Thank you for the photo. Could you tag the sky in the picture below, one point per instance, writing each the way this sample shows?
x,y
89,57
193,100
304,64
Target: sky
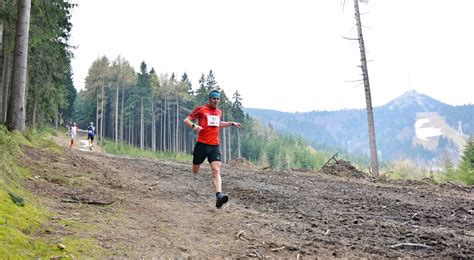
x,y
288,55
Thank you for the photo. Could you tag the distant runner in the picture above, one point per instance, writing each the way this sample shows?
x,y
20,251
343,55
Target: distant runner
x,y
209,122
90,134
73,134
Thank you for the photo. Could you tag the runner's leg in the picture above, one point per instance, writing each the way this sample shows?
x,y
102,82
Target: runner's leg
x,y
216,175
196,168
199,155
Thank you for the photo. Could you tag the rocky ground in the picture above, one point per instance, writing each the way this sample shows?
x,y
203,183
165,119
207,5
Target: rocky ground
x,y
144,208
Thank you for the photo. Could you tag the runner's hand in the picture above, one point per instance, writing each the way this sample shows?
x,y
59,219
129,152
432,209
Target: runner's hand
x,y
238,125
197,129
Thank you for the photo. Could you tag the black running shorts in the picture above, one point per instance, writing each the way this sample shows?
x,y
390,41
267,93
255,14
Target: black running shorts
x,y
202,150
90,137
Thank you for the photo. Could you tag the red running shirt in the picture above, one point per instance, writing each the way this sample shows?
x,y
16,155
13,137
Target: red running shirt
x,y
209,119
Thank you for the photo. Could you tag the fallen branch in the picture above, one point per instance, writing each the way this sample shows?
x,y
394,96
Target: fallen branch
x,y
401,245
301,170
459,187
92,202
350,39
278,249
332,158
241,232
256,253
463,209
241,235
414,215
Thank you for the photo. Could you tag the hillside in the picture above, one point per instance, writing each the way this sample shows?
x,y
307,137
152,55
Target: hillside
x,y
395,124
159,209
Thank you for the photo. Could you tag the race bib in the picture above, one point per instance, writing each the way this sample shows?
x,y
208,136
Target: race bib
x,y
213,120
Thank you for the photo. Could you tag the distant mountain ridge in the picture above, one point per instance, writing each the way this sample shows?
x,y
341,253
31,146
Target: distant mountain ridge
x,y
414,100
396,128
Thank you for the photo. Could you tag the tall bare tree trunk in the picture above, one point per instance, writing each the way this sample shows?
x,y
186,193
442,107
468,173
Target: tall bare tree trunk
x,y
102,116
168,123
134,132
97,112
223,138
8,78
132,136
6,85
2,71
165,142
16,114
224,145
145,136
176,143
130,131
142,125
116,114
153,126
161,126
185,148
56,118
229,137
368,99
35,105
238,143
170,127
121,115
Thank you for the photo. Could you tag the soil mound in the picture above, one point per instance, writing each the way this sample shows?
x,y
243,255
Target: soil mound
x,y
343,168
241,163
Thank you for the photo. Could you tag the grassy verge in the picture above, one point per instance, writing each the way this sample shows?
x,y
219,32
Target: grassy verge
x,y
112,148
406,170
21,216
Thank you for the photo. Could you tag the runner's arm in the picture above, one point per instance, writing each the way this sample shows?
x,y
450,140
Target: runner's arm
x,y
187,122
226,124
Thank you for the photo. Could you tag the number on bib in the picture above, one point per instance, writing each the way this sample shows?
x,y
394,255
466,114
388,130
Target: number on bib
x,y
213,120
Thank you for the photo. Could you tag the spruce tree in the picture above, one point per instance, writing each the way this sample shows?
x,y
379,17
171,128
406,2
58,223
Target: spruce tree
x,y
467,164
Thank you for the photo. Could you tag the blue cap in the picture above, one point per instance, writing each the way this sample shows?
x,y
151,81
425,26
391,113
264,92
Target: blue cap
x,y
215,94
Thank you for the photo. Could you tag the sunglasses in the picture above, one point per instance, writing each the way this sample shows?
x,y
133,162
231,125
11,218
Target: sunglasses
x,y
215,98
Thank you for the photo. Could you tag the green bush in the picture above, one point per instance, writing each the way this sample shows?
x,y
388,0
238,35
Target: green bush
x,y
42,139
466,169
406,170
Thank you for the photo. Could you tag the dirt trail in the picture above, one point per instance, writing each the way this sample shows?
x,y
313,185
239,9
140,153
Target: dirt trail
x,y
161,209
